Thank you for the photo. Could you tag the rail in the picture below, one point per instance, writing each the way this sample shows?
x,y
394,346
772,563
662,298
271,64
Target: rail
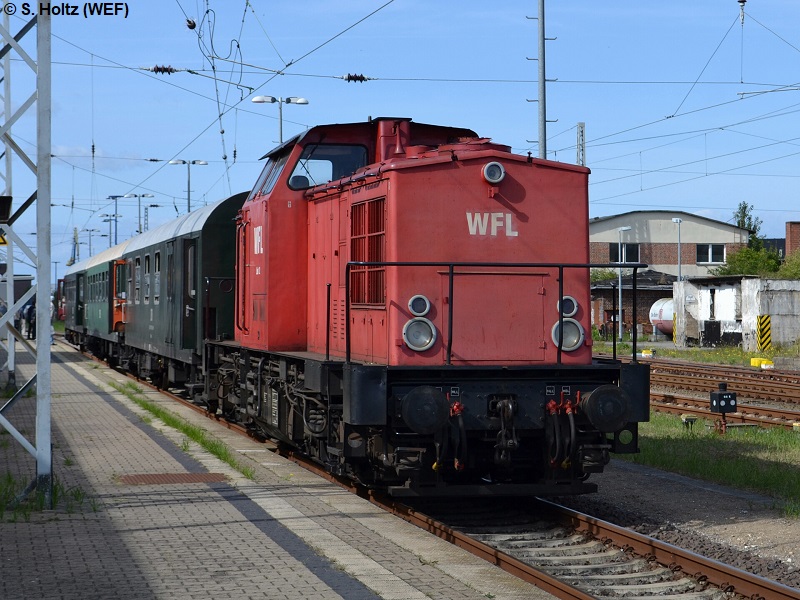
x,y
451,273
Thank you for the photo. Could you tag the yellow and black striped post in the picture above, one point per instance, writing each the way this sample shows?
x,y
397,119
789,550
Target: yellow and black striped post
x,y
764,332
674,329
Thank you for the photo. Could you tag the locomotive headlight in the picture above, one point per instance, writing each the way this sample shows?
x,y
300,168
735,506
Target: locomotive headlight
x,y
568,306
419,334
573,335
419,305
493,172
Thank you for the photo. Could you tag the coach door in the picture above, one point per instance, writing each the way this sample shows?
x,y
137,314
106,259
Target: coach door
x,y
172,313
80,299
118,299
189,293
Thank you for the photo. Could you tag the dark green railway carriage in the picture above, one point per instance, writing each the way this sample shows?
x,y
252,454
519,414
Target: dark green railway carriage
x,y
180,290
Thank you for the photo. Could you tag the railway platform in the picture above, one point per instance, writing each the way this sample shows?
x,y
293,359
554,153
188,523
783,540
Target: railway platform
x,y
144,512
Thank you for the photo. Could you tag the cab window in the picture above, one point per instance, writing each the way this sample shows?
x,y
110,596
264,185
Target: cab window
x,y
270,174
320,163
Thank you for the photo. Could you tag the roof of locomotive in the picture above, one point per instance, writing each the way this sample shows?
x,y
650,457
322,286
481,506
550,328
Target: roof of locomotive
x,y
417,127
183,225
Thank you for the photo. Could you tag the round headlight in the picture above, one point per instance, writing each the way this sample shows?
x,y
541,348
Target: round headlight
x,y
419,334
573,335
568,306
419,305
494,172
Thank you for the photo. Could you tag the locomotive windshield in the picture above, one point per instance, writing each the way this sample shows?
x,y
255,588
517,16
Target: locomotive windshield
x,y
270,174
320,163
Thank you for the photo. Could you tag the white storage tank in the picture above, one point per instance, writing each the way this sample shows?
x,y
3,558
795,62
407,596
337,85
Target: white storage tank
x,y
661,315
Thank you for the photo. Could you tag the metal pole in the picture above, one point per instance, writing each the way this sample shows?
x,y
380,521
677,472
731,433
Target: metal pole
x,y
188,186
44,449
619,316
542,90
10,297
678,221
280,120
116,213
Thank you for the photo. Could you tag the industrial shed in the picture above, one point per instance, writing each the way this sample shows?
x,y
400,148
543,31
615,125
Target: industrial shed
x,y
770,313
737,310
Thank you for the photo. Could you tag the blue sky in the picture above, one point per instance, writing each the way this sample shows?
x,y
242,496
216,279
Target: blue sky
x,y
685,107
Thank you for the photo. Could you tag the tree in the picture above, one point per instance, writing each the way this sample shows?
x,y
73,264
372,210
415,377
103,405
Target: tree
x,y
602,275
750,261
744,218
790,269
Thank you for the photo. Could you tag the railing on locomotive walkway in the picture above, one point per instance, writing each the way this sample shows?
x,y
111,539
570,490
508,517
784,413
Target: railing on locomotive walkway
x,y
451,272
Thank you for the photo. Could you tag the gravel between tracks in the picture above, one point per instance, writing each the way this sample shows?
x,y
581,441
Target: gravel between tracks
x,y
737,528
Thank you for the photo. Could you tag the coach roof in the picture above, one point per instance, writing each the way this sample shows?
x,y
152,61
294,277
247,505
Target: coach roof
x,y
105,256
183,225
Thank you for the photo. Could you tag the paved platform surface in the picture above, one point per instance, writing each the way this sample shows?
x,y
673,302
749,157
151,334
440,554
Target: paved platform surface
x,y
144,512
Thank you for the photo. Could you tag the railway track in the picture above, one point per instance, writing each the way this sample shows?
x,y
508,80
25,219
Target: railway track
x,y
573,555
748,414
747,382
765,397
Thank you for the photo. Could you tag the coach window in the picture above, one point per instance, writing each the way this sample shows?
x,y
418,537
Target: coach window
x,y
119,280
191,289
138,279
130,281
146,278
156,277
320,163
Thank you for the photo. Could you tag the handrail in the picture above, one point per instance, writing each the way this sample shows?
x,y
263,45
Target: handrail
x,y
451,272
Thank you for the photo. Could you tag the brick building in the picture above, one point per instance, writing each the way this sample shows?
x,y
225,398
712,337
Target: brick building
x,y
671,243
652,237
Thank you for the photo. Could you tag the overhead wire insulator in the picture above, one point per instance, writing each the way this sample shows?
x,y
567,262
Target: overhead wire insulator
x,y
160,70
741,4
353,77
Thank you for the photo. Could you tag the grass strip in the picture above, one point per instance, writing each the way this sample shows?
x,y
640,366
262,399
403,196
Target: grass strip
x,y
196,434
762,460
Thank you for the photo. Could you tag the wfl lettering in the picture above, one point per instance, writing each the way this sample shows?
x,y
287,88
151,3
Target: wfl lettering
x,y
481,223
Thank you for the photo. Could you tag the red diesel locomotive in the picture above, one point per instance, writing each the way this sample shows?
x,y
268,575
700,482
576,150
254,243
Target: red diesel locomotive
x,y
412,310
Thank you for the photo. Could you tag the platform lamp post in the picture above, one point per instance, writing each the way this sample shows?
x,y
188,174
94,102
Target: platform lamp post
x,y
90,232
678,221
111,219
188,164
139,201
620,230
115,215
281,102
